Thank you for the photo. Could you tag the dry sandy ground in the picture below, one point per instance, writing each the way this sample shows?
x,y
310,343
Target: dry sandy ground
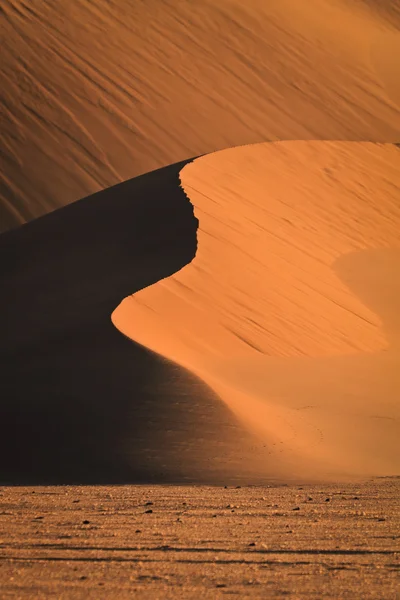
x,y
201,542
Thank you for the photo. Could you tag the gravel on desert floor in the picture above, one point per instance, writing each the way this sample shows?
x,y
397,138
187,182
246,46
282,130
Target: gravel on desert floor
x,y
310,541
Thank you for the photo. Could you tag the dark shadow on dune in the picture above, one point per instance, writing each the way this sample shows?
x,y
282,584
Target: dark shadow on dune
x,y
78,401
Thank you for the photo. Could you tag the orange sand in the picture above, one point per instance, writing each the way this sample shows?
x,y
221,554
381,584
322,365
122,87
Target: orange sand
x,y
289,310
93,93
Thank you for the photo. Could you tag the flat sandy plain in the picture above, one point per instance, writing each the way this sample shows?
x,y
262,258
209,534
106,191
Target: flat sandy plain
x,y
326,541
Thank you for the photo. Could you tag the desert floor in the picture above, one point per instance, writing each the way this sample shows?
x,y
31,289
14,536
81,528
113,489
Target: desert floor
x,y
326,541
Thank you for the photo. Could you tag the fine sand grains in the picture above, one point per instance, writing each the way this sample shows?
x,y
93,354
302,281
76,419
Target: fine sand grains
x,y
289,309
93,93
102,542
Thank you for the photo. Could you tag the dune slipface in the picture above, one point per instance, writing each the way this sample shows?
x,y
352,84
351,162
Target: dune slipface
x,y
289,310
94,93
79,401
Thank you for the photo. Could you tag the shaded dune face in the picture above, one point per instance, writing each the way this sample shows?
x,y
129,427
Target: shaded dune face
x,y
79,401
289,310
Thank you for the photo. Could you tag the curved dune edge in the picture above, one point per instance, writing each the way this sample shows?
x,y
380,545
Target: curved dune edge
x,y
279,313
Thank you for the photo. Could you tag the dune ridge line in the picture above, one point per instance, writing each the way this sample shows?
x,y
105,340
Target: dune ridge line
x,y
267,318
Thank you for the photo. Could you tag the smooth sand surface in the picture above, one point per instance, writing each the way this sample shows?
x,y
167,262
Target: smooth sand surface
x,y
278,313
93,93
201,542
289,310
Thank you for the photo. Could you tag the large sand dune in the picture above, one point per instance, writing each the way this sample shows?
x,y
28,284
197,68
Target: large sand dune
x,y
288,357
79,401
289,310
93,93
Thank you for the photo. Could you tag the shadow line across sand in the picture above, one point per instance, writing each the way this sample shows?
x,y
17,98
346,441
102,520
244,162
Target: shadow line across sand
x,y
80,403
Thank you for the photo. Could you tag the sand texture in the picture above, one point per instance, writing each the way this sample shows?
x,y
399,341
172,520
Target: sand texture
x,y
200,542
261,280
93,93
199,266
289,310
79,401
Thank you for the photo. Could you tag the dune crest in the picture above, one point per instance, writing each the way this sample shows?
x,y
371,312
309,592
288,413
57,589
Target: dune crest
x,y
275,311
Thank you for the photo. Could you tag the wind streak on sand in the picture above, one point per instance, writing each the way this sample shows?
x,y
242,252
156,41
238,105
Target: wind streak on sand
x,y
279,311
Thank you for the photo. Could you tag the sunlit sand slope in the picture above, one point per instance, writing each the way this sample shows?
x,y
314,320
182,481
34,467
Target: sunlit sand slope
x,y
289,310
92,93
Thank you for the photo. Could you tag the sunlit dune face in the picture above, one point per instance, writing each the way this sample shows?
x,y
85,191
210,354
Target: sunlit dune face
x,y
274,218
265,291
373,275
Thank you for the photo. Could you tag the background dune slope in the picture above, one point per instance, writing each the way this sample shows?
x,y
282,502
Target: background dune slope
x,y
289,310
93,93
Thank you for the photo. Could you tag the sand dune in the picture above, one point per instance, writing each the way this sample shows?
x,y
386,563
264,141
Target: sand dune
x,y
284,356
93,93
289,309
80,402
